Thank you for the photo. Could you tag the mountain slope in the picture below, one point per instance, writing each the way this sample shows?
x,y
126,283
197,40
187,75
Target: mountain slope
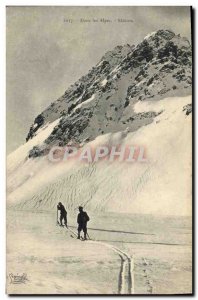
x,y
102,101
136,95
160,186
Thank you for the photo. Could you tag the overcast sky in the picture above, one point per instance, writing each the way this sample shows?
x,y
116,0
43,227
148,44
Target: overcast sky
x,y
45,54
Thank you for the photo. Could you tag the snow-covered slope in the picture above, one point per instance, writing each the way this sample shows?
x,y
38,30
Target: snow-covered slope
x,y
162,185
139,211
102,101
135,96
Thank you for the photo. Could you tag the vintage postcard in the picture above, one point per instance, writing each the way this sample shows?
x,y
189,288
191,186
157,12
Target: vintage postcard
x,y
99,150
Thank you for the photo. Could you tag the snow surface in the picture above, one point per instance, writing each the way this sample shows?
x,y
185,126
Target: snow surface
x,y
115,70
137,213
104,82
140,82
57,263
100,63
16,158
161,186
85,102
150,35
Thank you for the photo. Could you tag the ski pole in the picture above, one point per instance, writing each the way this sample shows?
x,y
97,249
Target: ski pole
x,y
88,235
57,223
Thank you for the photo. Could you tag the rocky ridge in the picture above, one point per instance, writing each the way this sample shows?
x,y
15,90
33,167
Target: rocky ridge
x,y
102,101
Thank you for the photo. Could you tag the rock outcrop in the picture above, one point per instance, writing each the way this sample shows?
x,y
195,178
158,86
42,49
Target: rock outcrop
x,y
102,101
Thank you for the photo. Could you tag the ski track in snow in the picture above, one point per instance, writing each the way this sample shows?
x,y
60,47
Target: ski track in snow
x,y
146,275
126,274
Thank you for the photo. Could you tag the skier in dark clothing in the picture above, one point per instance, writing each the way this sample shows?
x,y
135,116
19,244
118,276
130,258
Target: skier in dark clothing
x,y
82,220
63,214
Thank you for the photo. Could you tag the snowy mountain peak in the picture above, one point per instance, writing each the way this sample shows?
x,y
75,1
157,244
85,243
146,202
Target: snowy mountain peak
x,y
103,100
165,34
